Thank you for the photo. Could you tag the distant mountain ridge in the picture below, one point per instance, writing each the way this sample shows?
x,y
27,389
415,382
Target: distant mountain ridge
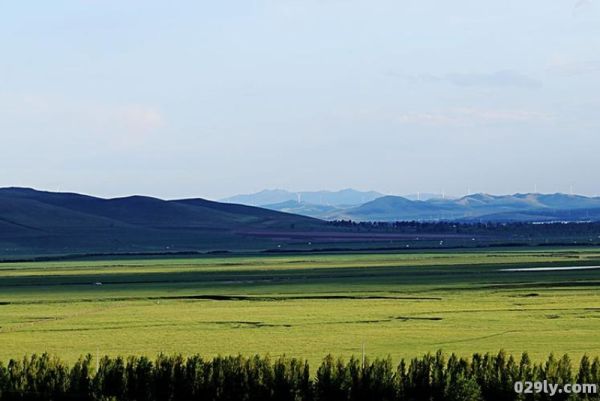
x,y
527,207
345,197
34,223
303,208
483,207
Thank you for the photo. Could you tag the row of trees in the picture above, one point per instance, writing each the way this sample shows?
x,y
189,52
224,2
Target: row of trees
x,y
433,377
475,228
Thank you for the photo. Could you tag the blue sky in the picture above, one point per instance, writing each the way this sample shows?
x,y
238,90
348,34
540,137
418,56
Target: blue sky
x,y
178,99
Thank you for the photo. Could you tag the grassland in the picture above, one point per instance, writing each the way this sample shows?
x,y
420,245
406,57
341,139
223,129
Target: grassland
x,y
304,305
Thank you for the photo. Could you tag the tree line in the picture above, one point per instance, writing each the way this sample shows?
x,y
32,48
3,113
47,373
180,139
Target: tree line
x,y
452,227
516,233
432,377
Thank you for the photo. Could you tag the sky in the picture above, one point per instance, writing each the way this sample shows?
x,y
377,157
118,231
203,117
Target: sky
x,y
210,99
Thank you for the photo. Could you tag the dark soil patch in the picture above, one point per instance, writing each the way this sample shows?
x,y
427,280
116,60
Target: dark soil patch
x,y
292,297
250,324
405,318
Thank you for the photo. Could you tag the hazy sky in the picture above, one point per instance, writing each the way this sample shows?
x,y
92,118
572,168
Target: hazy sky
x,y
213,98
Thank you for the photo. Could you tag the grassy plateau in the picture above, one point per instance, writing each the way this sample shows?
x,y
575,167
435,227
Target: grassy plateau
x,y
305,305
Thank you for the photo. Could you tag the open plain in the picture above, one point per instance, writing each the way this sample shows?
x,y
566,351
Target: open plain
x,y
307,305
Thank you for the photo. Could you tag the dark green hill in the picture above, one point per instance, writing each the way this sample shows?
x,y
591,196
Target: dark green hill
x,y
36,222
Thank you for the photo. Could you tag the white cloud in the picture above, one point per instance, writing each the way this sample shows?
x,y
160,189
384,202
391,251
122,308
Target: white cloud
x,y
135,123
582,3
29,116
566,66
471,116
497,79
141,118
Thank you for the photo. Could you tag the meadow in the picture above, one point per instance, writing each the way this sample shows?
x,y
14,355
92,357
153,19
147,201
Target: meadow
x,y
305,305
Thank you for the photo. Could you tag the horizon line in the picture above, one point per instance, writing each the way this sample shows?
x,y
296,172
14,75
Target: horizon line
x,y
222,200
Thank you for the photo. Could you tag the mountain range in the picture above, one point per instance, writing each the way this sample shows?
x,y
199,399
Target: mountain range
x,y
38,223
345,197
479,207
476,207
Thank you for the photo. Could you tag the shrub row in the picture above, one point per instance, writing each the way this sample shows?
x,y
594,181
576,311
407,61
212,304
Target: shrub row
x,y
433,377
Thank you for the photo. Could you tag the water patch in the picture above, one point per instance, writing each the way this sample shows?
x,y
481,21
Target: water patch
x,y
550,269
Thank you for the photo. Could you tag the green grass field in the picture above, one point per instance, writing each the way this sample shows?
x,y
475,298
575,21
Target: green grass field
x,y
304,305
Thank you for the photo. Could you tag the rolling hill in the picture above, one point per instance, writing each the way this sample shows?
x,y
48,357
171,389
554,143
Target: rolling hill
x,y
479,207
331,206
304,208
39,222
